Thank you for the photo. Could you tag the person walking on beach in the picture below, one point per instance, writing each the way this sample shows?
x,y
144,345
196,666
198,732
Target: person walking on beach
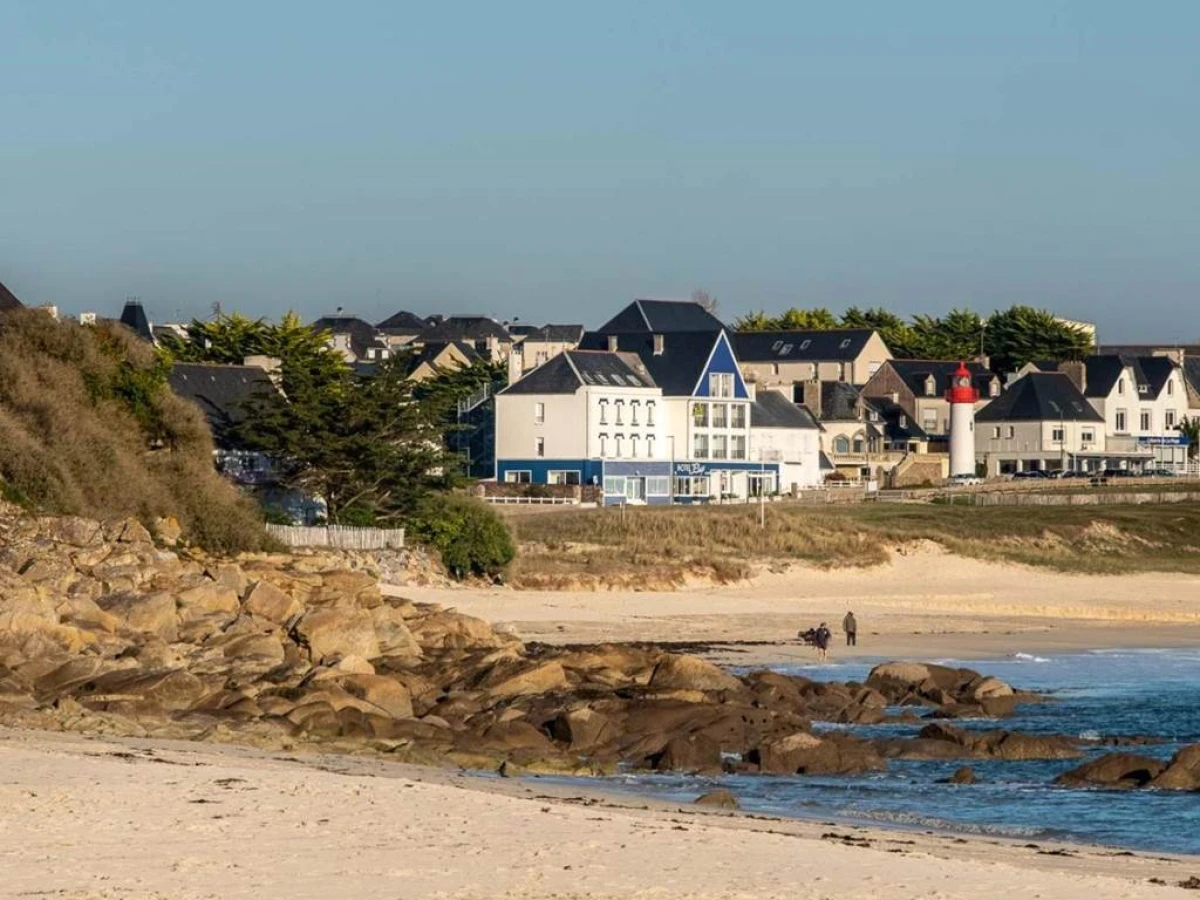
x,y
821,639
850,626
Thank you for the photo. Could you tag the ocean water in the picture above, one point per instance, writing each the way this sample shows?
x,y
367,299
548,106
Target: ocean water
x,y
1101,693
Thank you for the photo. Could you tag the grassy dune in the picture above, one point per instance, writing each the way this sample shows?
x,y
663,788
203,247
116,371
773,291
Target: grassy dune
x,y
660,547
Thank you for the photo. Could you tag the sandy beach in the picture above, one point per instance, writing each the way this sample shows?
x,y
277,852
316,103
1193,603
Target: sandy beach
x,y
91,819
926,605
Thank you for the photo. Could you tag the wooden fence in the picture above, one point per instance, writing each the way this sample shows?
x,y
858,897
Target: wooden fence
x,y
339,537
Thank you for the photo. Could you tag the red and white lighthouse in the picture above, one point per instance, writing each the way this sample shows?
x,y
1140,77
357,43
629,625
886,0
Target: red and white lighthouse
x,y
962,397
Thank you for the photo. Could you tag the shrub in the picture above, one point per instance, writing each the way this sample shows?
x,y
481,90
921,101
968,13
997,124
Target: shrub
x,y
89,427
471,538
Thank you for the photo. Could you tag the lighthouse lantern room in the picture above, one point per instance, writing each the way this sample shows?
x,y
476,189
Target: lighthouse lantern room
x,y
962,397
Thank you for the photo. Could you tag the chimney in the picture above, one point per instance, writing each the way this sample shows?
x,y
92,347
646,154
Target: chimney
x,y
1077,372
270,364
658,345
612,343
516,365
811,396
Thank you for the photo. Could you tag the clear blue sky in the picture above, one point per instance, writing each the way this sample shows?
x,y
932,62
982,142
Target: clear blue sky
x,y
553,160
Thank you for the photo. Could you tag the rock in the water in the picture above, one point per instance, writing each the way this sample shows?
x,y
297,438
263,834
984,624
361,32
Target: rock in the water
x,y
963,775
1114,770
718,799
1182,772
689,753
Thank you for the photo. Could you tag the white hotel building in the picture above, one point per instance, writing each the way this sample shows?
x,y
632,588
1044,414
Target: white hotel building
x,y
653,408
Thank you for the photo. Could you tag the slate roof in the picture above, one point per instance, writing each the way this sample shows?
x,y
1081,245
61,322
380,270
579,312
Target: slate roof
x,y
898,424
661,317
362,334
221,392
518,330
133,317
842,344
839,401
464,328
8,300
913,373
677,369
402,323
772,409
1191,372
572,369
1040,397
1150,373
558,334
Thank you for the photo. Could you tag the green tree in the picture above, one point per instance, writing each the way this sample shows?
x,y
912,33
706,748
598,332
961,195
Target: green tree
x,y
796,319
896,333
1190,428
1022,334
756,321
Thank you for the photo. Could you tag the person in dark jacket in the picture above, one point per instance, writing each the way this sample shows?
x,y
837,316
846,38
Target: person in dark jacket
x,y
821,639
850,626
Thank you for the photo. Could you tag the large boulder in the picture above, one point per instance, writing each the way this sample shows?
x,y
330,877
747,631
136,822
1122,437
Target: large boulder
x,y
718,799
143,691
612,665
541,679
808,754
1182,772
207,599
689,753
152,614
387,694
1114,770
339,632
690,673
582,729
445,629
266,600
395,637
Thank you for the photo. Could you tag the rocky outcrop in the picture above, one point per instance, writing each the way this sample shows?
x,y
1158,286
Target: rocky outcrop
x,y
114,628
1114,770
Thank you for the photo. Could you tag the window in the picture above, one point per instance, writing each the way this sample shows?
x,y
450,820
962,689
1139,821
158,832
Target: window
x,y
614,485
737,446
1170,387
720,447
701,448
620,412
844,344
812,372
1143,388
604,445
539,413
737,415
1121,421
1087,436
774,368
1145,420
539,447
700,415
1057,436
617,441
994,387
634,408
650,446
1169,417
720,384
720,415
841,444
540,357
562,476
603,412
858,443
841,371
904,421
658,485
633,446
1012,432
517,477
929,420
995,432
695,486
650,406
1120,385
806,343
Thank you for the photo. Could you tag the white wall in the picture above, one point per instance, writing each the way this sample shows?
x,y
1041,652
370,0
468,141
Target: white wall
x,y
610,397
564,428
799,454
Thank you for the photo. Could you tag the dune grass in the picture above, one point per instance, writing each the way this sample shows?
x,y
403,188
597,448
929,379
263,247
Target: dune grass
x,y
663,546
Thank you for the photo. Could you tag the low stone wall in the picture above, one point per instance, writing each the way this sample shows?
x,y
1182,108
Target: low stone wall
x,y
1093,498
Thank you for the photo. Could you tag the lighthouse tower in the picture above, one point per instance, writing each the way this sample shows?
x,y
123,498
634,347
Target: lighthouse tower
x,y
962,397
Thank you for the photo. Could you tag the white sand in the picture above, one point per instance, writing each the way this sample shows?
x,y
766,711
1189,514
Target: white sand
x,y
925,604
85,820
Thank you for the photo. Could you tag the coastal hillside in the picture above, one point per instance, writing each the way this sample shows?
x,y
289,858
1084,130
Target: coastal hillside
x,y
88,427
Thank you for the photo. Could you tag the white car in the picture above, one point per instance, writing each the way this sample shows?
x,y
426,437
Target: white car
x,y
964,480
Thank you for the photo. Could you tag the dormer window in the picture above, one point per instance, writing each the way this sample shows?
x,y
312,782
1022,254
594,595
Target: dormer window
x,y
904,421
930,386
612,343
994,388
658,345
805,344
844,344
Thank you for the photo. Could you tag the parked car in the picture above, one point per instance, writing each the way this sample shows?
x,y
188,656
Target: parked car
x,y
1031,473
1119,473
963,480
1070,473
1159,473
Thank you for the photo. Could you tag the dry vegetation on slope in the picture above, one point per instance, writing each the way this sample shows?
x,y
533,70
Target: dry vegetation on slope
x,y
661,547
88,427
